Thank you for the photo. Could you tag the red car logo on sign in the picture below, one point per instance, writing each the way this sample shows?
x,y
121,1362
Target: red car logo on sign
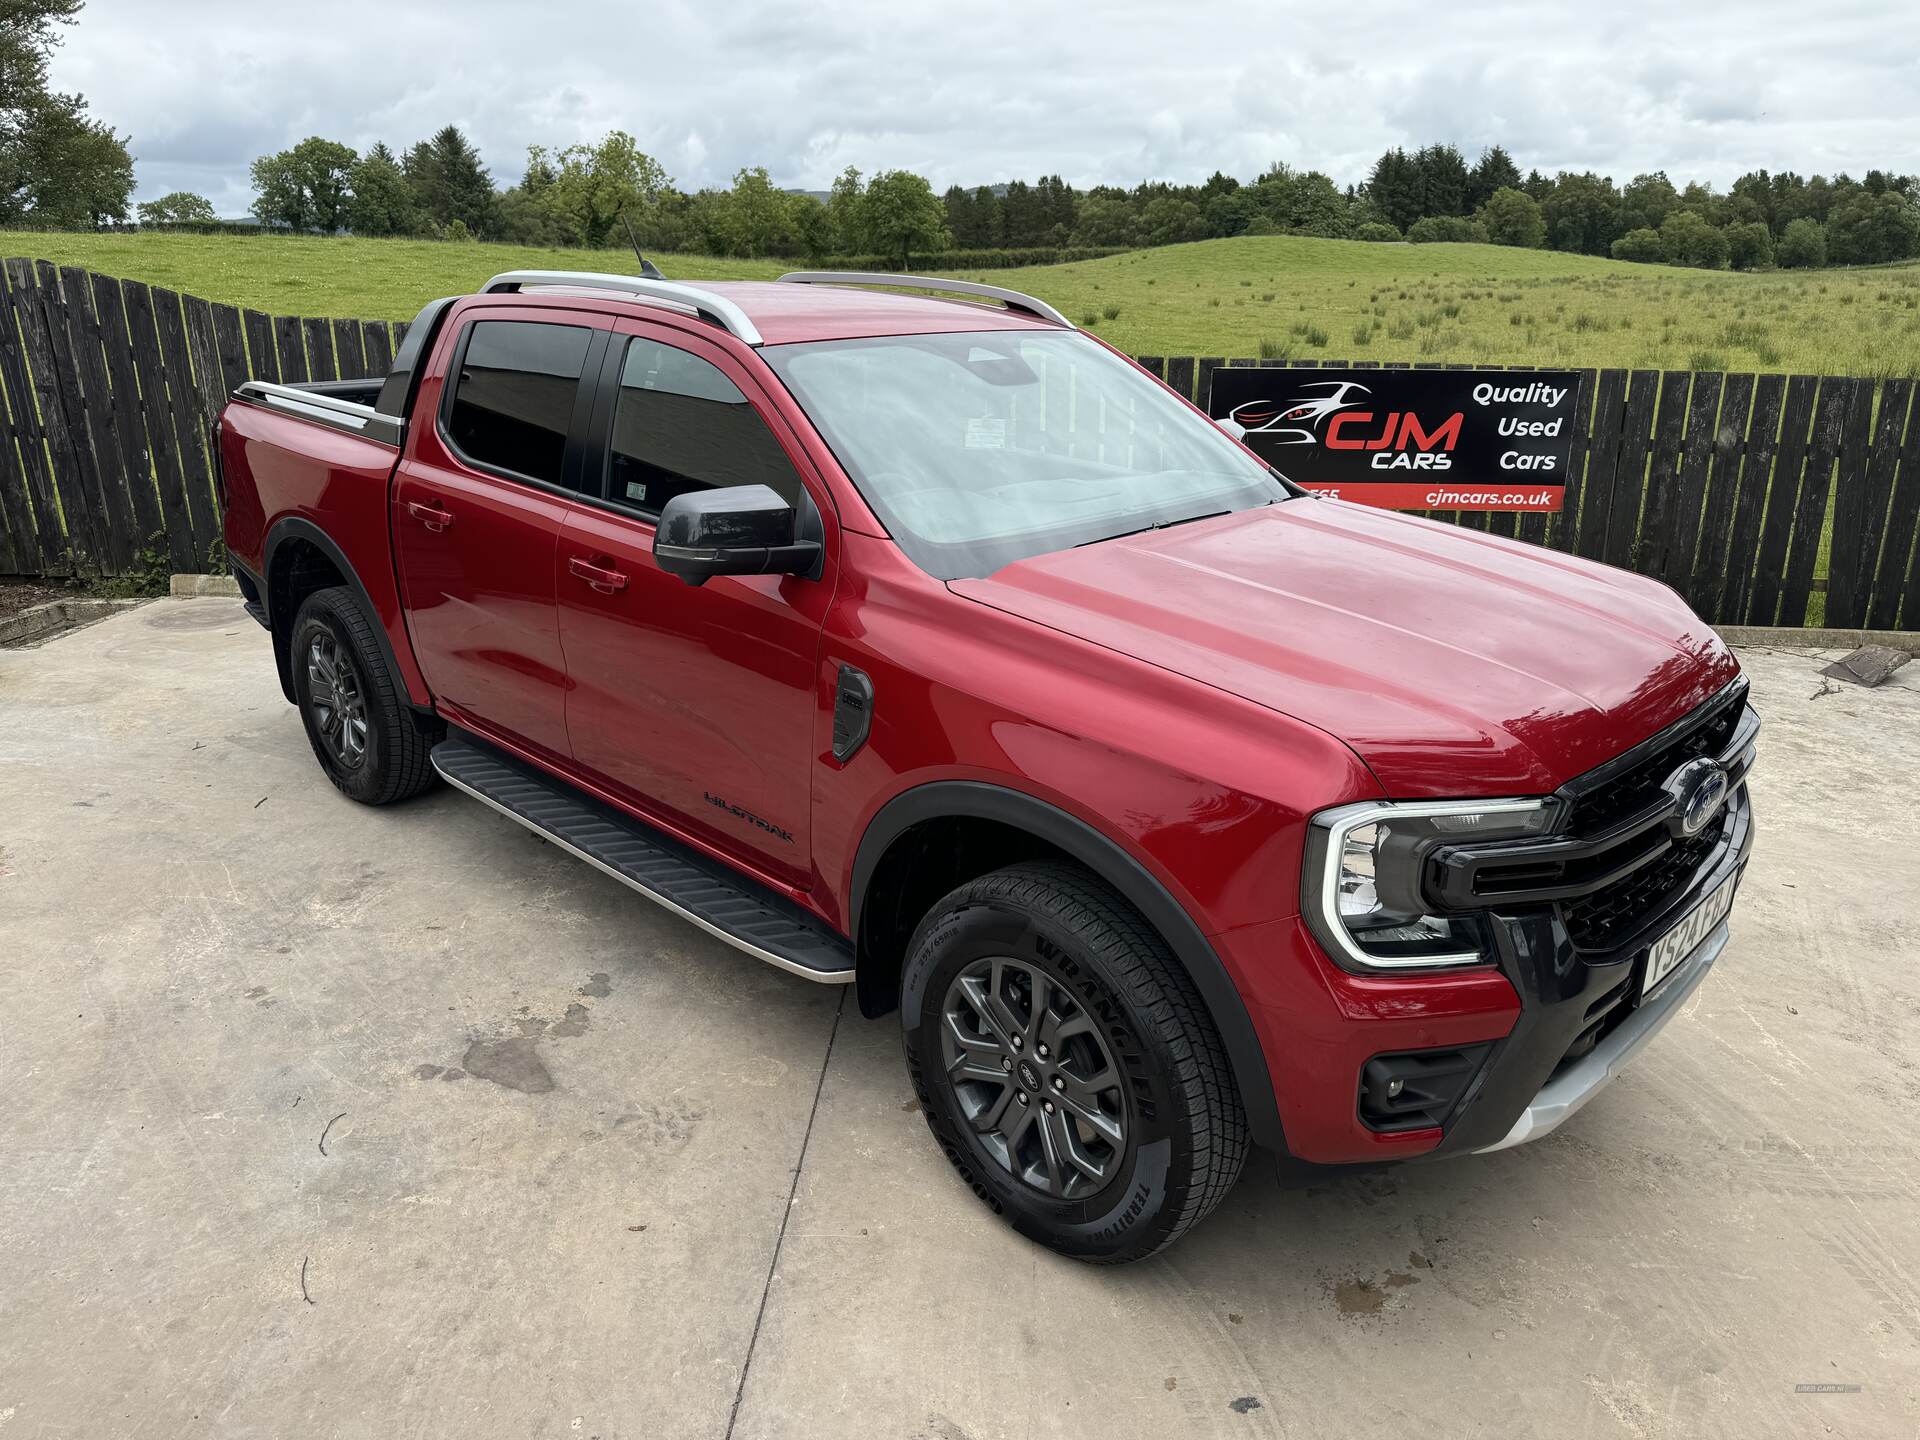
x,y
1412,445
1293,422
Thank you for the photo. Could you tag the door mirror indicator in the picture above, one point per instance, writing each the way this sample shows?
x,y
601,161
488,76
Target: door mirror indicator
x,y
734,530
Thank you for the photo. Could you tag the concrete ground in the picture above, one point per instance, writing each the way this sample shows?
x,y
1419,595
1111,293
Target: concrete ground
x,y
319,1120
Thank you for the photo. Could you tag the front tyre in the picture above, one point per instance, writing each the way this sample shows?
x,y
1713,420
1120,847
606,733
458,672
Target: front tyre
x,y
359,726
1067,1066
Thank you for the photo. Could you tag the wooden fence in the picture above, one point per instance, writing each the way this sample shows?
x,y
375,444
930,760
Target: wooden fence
x,y
1767,499
1764,499
111,388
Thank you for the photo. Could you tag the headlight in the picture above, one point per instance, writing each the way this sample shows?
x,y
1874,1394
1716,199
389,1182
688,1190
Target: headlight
x,y
1361,892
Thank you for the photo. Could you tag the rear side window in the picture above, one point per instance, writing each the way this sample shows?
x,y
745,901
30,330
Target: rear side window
x,y
681,425
513,397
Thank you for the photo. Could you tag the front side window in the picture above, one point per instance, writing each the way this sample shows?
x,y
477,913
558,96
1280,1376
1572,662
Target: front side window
x,y
984,448
513,396
681,425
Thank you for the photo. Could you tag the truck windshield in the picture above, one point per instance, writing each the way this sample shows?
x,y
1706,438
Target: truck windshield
x,y
983,448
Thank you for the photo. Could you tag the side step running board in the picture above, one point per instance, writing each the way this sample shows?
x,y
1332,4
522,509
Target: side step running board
x,y
668,873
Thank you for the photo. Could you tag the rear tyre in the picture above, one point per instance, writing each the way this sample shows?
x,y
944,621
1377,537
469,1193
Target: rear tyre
x,y
1067,1066
361,731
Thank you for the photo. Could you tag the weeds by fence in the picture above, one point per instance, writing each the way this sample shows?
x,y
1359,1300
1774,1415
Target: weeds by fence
x,y
1731,488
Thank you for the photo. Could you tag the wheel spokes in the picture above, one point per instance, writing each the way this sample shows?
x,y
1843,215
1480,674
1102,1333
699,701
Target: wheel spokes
x,y
1076,1152
1053,1152
1076,1101
1056,1031
1015,1120
991,1115
1003,1013
339,709
979,999
1033,1076
979,1072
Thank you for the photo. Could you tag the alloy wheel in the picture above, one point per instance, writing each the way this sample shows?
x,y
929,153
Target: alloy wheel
x,y
1034,1077
338,700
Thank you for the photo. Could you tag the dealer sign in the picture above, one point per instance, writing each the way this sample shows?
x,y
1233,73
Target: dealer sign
x,y
1409,439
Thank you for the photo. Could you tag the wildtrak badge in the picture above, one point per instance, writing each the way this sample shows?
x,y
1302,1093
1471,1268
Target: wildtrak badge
x,y
1482,440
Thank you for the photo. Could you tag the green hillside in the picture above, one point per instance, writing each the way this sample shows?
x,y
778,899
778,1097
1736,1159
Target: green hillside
x,y
1281,296
1348,300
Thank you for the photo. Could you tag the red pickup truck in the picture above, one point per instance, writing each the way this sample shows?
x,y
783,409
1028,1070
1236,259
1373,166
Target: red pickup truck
x,y
922,642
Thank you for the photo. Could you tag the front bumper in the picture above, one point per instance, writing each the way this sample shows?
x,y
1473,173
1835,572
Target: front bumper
x,y
1557,1016
1563,1096
1564,994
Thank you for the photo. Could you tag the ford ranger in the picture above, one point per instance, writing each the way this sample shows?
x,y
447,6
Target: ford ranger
x,y
902,635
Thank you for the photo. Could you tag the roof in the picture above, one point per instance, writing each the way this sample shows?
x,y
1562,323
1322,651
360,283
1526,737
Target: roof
x,y
787,314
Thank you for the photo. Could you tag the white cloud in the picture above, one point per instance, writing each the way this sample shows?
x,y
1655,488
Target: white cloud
x,y
1115,93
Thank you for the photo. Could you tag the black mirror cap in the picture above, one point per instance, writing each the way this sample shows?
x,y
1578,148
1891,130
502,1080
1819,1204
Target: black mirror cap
x,y
733,530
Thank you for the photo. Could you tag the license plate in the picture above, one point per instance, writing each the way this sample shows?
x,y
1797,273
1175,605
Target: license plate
x,y
1683,939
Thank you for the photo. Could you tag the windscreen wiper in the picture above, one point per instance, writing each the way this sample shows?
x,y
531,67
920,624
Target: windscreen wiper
x,y
1158,525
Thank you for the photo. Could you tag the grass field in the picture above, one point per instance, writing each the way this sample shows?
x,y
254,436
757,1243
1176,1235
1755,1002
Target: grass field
x,y
1283,297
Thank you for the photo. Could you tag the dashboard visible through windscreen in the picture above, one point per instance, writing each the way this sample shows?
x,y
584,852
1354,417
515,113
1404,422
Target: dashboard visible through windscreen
x,y
981,448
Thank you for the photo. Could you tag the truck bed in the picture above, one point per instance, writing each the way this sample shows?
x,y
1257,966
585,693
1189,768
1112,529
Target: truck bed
x,y
343,404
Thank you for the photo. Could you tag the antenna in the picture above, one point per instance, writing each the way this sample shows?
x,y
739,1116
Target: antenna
x,y
647,267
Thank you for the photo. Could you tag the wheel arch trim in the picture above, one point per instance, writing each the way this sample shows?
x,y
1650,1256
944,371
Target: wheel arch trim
x,y
1106,858
298,527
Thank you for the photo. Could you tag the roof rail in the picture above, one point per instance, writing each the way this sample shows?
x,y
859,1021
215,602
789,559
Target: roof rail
x,y
1012,299
704,303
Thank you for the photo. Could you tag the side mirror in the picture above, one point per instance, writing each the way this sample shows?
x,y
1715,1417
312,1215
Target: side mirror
x,y
1232,426
735,530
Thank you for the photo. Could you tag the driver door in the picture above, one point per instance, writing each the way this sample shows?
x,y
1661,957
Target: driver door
x,y
696,704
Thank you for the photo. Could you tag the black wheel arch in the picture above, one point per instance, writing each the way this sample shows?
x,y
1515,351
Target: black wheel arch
x,y
279,617
1065,834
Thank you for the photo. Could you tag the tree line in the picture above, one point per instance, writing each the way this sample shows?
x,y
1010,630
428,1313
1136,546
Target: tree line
x,y
580,194
1762,219
587,195
61,168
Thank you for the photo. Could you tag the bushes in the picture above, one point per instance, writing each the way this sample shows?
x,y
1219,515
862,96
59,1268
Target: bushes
x,y
1642,245
1872,229
1866,229
1803,245
1512,217
1378,232
1446,229
1750,246
1689,239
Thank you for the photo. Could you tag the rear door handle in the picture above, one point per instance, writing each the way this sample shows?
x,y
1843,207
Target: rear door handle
x,y
602,578
432,517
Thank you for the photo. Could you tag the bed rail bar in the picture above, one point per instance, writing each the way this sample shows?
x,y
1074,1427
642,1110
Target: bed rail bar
x,y
326,409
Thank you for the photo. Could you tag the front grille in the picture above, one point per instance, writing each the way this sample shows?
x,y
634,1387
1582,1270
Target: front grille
x,y
1618,796
1607,917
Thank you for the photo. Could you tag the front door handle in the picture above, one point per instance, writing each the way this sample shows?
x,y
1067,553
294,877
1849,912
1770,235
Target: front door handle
x,y
602,578
434,518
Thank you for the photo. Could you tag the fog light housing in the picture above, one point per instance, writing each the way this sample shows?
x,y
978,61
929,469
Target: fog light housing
x,y
1417,1090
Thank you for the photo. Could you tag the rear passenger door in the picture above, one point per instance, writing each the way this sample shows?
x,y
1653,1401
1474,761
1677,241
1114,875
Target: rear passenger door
x,y
696,704
477,509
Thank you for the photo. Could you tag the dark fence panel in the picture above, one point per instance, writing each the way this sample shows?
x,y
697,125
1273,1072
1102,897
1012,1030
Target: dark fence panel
x,y
1730,488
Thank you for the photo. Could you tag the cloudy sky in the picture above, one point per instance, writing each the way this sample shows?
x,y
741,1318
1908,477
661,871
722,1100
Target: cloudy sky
x,y
977,93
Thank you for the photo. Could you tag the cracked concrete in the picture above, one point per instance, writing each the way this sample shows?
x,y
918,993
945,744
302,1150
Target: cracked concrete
x,y
717,1213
